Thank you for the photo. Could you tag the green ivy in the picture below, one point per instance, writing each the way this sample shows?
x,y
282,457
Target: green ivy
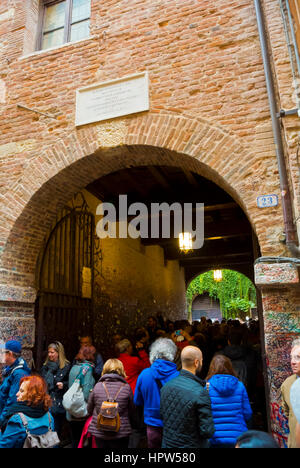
x,y
236,293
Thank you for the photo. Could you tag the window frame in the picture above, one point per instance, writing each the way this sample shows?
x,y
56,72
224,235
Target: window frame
x,y
67,23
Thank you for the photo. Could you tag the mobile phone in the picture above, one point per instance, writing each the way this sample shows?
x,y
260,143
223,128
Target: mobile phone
x,y
177,332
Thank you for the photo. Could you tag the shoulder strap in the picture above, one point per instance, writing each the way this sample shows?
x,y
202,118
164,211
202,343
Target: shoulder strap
x,y
49,417
106,391
83,370
79,375
118,392
24,422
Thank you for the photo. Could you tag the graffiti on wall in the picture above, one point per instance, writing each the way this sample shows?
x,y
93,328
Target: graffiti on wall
x,y
280,429
282,326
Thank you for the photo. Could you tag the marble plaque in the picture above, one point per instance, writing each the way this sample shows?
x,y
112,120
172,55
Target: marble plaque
x,y
103,101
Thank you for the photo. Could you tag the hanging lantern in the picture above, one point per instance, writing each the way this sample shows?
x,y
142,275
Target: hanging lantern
x,y
218,275
185,242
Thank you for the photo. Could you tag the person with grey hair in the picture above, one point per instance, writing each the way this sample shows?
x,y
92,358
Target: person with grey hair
x,y
286,393
149,383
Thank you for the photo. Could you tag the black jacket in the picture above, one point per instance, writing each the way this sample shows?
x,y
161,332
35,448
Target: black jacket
x,y
53,374
186,412
237,355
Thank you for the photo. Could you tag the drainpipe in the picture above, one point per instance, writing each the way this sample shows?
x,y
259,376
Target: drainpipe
x,y
290,230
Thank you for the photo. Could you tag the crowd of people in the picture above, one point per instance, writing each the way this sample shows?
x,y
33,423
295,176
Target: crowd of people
x,y
167,385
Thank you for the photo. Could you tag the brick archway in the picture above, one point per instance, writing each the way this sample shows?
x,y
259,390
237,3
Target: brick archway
x,y
60,170
63,167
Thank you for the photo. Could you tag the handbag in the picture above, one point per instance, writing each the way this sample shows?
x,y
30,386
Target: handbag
x,y
109,418
48,440
74,401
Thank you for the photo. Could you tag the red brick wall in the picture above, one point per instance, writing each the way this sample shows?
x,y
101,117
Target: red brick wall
x,y
208,101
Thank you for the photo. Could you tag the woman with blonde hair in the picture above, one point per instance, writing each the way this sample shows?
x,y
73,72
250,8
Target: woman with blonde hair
x,y
56,352
56,371
113,386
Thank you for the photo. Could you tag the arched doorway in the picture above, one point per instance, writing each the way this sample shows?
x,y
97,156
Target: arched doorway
x,y
228,293
228,240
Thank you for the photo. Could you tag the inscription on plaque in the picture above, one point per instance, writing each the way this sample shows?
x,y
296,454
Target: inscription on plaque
x,y
112,99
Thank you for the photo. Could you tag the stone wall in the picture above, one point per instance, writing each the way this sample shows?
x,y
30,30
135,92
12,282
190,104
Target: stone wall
x,y
279,283
133,282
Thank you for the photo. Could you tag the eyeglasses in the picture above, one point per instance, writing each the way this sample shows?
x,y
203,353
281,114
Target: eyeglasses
x,y
295,357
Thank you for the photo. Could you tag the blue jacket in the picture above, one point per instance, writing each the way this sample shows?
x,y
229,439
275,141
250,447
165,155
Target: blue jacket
x,y
230,407
11,383
15,434
147,391
98,367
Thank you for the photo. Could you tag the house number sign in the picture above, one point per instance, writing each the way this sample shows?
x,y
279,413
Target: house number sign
x,y
267,201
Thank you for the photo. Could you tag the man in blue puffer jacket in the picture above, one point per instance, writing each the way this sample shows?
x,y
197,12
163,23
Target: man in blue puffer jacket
x,y
229,402
149,383
15,369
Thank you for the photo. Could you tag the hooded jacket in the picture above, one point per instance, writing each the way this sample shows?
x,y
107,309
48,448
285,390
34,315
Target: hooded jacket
x,y
230,407
147,391
10,386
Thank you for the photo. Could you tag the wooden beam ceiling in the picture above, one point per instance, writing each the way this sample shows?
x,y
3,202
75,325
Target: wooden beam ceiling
x,y
227,232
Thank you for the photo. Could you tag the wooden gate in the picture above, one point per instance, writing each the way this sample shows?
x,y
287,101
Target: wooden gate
x,y
64,308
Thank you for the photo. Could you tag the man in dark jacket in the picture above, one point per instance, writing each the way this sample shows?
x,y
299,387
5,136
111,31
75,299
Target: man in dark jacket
x,y
185,406
15,368
237,354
